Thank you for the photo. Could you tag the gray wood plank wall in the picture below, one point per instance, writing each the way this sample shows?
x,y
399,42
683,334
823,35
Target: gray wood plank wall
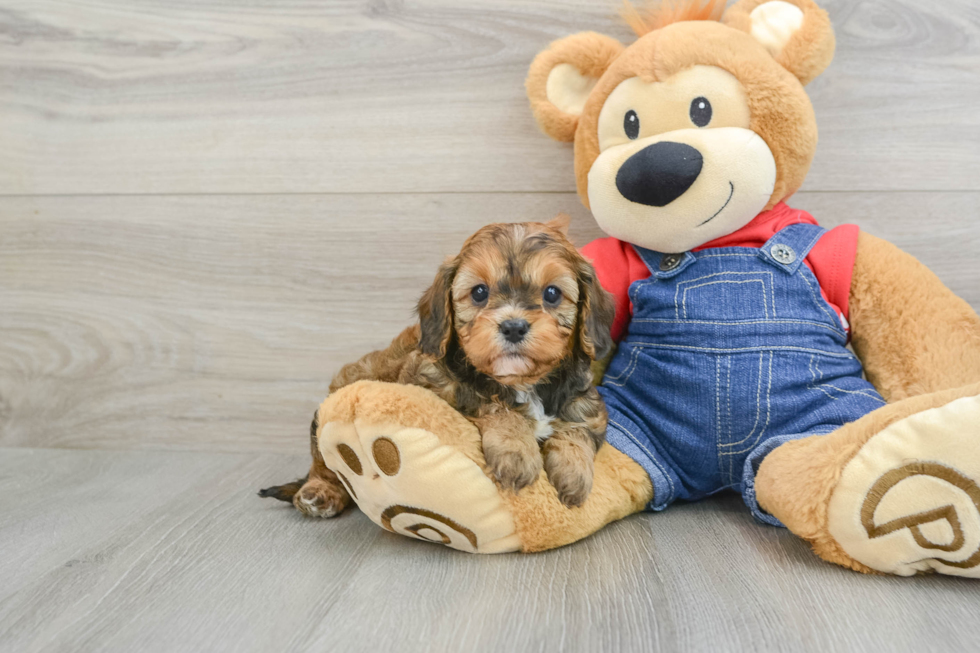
x,y
207,206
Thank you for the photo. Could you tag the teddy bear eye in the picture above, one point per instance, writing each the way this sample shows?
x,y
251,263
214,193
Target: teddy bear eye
x,y
631,125
480,293
700,111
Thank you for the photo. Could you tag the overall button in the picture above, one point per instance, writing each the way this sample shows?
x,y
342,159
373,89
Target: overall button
x,y
670,261
782,253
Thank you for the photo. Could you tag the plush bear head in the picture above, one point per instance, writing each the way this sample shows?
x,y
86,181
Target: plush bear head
x,y
694,129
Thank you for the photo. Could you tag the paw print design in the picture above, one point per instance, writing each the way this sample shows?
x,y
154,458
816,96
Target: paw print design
x,y
939,529
909,501
410,483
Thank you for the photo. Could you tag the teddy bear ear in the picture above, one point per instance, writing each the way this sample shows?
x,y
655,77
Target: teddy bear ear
x,y
562,77
797,33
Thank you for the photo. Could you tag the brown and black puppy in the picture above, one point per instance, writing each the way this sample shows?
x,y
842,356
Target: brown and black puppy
x,y
506,335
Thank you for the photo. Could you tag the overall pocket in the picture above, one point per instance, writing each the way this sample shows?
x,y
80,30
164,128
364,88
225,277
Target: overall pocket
x,y
726,296
623,365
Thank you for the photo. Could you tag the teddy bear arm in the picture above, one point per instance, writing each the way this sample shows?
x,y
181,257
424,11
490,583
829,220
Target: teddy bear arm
x,y
912,334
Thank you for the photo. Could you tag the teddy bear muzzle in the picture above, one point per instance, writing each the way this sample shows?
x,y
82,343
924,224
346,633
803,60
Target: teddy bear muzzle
x,y
659,173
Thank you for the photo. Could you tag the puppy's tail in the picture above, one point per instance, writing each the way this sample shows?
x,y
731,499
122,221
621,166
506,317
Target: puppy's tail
x,y
283,492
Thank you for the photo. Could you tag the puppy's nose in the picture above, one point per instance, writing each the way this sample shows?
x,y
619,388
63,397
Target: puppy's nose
x,y
659,174
514,330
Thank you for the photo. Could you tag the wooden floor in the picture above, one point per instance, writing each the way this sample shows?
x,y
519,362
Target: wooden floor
x,y
206,206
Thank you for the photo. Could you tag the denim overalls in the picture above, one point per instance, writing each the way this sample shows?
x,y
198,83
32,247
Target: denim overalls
x,y
730,353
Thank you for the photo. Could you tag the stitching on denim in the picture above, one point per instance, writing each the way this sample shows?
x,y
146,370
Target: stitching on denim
x,y
863,393
719,350
765,427
683,284
786,236
765,294
725,273
737,322
721,449
648,257
813,384
631,292
758,406
855,392
805,251
729,401
729,396
820,303
690,282
653,458
619,380
758,409
815,364
717,403
634,288
750,255
802,252
813,376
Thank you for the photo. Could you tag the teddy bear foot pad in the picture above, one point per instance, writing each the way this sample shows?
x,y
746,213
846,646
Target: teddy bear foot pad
x,y
408,482
909,500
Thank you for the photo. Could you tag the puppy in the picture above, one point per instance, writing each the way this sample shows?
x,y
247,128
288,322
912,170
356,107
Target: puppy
x,y
506,335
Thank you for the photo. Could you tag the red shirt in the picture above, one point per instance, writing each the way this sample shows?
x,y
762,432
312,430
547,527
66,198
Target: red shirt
x,y
832,260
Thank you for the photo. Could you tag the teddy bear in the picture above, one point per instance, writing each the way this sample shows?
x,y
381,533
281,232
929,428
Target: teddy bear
x,y
734,313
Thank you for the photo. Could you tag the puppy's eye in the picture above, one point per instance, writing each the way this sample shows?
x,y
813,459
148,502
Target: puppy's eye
x,y
700,111
631,125
552,295
480,294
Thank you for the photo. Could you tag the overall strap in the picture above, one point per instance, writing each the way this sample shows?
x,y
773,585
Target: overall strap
x,y
787,249
664,266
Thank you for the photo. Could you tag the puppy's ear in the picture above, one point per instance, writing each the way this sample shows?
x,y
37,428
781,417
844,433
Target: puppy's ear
x,y
560,223
596,310
435,311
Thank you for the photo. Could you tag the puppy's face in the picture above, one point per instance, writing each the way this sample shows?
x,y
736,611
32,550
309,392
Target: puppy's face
x,y
519,298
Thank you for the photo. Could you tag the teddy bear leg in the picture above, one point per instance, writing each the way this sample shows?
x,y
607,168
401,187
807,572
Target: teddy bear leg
x,y
897,491
415,467
620,487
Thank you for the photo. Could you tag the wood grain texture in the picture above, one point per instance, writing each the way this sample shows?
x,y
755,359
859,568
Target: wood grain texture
x,y
165,551
216,323
207,207
163,322
116,96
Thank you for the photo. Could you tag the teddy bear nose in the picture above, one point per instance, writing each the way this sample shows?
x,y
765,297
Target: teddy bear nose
x,y
659,173
514,330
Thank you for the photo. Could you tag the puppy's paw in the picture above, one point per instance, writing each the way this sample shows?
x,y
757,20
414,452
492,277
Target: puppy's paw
x,y
283,492
319,498
515,467
570,467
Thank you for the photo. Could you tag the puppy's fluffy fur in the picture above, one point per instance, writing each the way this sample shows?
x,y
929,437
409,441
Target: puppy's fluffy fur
x,y
506,335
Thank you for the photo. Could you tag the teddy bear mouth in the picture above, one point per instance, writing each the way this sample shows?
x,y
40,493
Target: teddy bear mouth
x,y
731,193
